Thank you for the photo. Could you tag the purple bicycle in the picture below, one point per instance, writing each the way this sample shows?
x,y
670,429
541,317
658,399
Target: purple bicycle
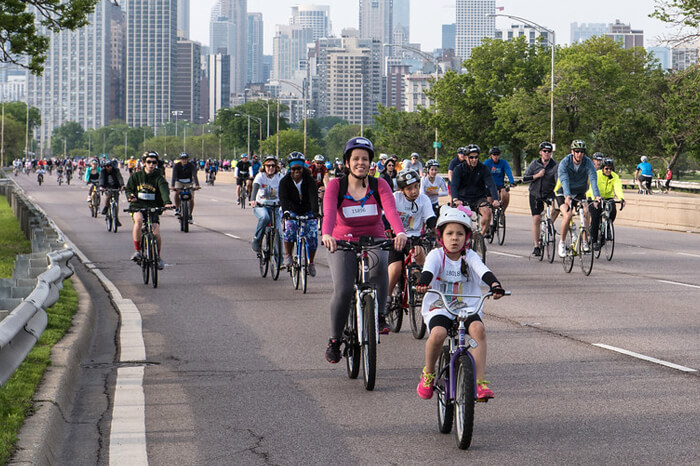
x,y
455,378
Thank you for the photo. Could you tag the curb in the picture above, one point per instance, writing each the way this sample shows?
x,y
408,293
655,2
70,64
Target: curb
x,y
43,431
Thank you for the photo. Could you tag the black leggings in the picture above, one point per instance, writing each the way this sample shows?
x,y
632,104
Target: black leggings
x,y
595,218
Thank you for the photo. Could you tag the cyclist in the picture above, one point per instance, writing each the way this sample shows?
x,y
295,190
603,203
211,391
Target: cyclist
x,y
389,173
255,167
212,170
59,171
382,160
92,176
414,164
131,164
542,174
433,185
319,172
358,212
454,268
147,188
610,186
40,174
459,158
472,185
416,213
499,170
265,191
576,171
598,160
242,174
299,196
644,174
184,175
110,178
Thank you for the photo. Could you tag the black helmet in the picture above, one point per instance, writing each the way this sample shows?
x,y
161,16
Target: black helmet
x,y
598,156
608,162
150,154
473,148
407,178
495,151
546,145
358,143
184,155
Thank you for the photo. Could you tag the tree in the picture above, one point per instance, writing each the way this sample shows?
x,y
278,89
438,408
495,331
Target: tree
x,y
67,137
403,133
18,110
337,137
18,23
14,138
290,140
234,125
681,13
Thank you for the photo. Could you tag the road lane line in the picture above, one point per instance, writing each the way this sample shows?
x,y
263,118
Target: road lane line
x,y
504,254
687,254
645,358
232,236
678,283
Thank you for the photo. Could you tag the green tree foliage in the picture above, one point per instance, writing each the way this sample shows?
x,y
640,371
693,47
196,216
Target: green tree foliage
x,y
234,129
18,111
18,23
336,138
403,133
14,139
683,13
290,140
68,136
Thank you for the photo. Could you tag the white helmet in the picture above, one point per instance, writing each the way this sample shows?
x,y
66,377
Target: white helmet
x,y
383,156
454,215
644,158
319,158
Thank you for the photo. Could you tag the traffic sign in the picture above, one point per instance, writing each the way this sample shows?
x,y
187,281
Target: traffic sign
x,y
437,145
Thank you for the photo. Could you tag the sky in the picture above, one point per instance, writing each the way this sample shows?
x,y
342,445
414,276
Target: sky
x,y
428,16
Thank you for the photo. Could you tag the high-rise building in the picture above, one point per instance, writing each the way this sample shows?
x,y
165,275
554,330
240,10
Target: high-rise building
x,y
77,83
683,58
532,34
395,85
625,35
183,19
236,12
449,32
401,17
222,36
187,80
150,61
314,17
473,25
289,50
415,86
219,83
584,31
255,48
376,20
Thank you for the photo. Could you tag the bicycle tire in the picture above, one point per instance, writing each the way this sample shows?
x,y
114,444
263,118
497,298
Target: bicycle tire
x,y
394,315
295,269
568,259
108,219
242,197
610,241
153,259
353,354
415,305
551,241
115,214
493,226
501,228
304,272
264,254
369,346
586,258
185,216
445,407
465,397
542,241
601,234
479,245
276,255
145,265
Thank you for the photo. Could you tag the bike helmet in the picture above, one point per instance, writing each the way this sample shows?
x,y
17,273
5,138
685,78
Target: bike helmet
x,y
270,158
462,150
608,162
459,215
578,144
598,156
495,151
644,159
546,145
150,154
432,163
358,143
415,154
296,158
383,156
407,178
319,158
184,155
107,163
244,156
473,148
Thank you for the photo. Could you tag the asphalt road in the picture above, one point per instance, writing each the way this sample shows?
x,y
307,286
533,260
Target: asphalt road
x,y
237,372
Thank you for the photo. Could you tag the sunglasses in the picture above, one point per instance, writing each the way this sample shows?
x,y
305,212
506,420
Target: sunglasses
x,y
267,165
546,151
578,151
471,157
151,162
607,168
295,169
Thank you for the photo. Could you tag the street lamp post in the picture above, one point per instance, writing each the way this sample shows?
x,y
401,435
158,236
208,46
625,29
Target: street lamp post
x,y
552,43
177,113
303,96
259,120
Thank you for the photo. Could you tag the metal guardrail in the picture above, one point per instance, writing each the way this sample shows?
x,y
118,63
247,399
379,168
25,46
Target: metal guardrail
x,y
21,329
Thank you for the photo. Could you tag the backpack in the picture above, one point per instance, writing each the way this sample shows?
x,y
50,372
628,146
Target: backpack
x,y
373,186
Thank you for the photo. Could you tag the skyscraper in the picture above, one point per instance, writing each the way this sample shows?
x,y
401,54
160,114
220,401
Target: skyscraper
x,y
401,17
376,20
448,36
151,54
236,12
584,31
188,76
255,48
78,82
473,25
624,34
289,50
183,19
314,17
219,83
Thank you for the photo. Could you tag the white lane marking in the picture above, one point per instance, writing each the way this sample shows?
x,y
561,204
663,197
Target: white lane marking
x,y
127,441
645,358
687,254
213,200
504,254
678,283
232,236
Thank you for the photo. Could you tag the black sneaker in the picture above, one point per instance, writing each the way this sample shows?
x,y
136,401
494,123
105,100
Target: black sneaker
x,y
596,246
104,211
536,252
333,351
118,223
384,328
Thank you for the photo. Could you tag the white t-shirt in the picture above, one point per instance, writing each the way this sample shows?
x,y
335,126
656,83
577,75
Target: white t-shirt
x,y
413,214
448,278
433,189
269,188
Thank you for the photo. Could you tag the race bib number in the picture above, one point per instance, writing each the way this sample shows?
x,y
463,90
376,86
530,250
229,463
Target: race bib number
x,y
147,196
360,211
185,180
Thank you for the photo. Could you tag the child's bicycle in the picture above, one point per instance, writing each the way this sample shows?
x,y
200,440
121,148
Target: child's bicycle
x,y
404,298
455,377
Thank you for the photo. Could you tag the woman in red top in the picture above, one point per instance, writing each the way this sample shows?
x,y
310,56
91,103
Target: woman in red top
x,y
358,215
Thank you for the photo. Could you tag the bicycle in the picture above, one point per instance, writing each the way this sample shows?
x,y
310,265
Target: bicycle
x,y
185,195
59,179
498,222
270,255
243,197
404,298
606,232
578,243
548,235
68,177
111,218
40,178
478,242
211,177
94,203
149,243
360,335
455,376
299,270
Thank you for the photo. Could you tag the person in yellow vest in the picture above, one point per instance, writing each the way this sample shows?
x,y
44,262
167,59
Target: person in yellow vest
x,y
610,187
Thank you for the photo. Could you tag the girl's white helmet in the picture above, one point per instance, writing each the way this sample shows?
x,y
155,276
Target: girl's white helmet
x,y
454,215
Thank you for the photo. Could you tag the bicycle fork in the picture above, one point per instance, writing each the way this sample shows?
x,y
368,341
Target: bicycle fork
x,y
461,348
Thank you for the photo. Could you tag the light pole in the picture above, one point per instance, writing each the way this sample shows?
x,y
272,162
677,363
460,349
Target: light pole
x,y
2,143
176,113
553,44
303,96
259,128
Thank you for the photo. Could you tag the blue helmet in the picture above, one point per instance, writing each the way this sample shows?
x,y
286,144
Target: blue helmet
x,y
358,143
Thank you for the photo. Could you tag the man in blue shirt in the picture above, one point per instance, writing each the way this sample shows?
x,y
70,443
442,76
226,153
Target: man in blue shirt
x,y
499,170
644,175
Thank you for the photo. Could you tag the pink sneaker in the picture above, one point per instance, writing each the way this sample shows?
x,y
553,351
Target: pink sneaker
x,y
483,392
425,386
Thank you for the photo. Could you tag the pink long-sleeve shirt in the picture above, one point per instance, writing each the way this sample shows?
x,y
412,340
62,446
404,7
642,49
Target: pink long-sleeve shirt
x,y
352,220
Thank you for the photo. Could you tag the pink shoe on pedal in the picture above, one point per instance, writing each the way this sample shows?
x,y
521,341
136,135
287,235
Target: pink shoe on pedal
x,y
425,386
483,392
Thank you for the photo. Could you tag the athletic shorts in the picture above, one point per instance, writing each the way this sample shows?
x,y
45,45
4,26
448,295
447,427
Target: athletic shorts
x,y
241,180
537,205
447,323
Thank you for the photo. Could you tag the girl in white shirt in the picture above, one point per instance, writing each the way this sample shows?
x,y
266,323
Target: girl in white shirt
x,y
266,192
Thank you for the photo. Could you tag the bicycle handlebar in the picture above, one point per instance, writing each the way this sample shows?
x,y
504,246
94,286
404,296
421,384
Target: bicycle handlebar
x,y
365,243
463,312
158,210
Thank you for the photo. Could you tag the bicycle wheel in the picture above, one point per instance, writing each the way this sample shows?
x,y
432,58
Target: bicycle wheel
x,y
465,396
369,345
185,216
610,241
479,245
542,241
394,314
585,256
550,247
145,264
568,260
276,257
493,226
415,303
114,208
295,269
445,406
153,259
304,265
352,346
242,197
108,219
264,254
501,228
601,233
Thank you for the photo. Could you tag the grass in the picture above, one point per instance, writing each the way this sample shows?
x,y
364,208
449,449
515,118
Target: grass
x,y
17,393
